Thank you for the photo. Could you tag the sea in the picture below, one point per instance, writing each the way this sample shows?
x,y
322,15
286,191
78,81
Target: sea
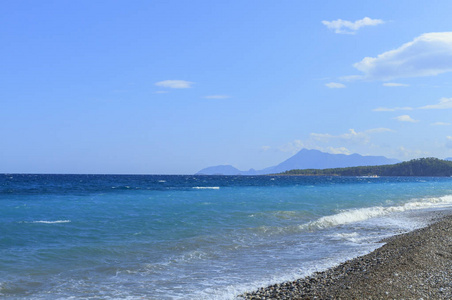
x,y
193,237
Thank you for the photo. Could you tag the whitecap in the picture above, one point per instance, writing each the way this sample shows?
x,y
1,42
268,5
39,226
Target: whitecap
x,y
362,214
206,187
52,222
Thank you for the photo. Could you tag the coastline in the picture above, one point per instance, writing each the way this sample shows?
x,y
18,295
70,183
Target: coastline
x,y
417,264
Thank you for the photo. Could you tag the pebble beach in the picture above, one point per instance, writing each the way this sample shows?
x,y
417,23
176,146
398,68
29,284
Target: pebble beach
x,y
415,265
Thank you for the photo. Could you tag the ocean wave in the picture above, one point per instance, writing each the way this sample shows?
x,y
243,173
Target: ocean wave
x,y
52,222
206,187
281,214
347,216
362,214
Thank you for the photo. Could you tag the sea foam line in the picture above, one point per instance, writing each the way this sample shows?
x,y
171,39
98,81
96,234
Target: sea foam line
x,y
206,187
362,214
52,222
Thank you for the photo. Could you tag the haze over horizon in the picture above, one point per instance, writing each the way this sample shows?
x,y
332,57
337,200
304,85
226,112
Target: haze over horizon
x,y
171,87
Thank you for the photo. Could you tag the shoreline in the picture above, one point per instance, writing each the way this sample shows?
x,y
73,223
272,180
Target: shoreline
x,y
417,264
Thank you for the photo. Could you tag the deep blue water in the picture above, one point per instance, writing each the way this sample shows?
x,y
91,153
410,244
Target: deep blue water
x,y
192,237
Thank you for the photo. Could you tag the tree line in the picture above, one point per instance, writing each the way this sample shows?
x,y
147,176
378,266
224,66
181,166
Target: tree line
x,y
417,167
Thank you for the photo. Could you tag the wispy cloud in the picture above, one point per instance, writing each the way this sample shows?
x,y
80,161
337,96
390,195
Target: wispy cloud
x,y
405,118
427,55
175,84
378,130
441,124
393,84
353,136
335,85
217,97
409,153
392,109
444,103
297,145
348,27
337,150
336,144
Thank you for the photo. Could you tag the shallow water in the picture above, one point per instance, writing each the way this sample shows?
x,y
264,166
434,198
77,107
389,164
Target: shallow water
x,y
192,237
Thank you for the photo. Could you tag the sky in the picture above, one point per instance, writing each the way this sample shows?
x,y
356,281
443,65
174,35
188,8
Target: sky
x,y
171,87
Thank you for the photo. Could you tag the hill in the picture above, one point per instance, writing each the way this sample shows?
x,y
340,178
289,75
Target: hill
x,y
305,159
315,159
415,167
220,170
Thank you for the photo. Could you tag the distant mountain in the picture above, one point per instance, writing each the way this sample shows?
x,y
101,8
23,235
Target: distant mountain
x,y
415,167
448,158
315,159
306,159
226,170
220,170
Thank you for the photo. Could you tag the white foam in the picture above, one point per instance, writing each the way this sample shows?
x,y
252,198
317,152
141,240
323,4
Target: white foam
x,y
206,187
362,214
52,222
232,291
352,237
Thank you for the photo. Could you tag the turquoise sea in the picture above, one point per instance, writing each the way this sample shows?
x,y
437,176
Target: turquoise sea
x,y
193,237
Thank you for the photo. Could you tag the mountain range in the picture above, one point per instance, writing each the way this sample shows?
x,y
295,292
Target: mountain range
x,y
305,159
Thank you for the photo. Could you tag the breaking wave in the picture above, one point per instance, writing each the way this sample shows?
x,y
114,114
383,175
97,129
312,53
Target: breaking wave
x,y
362,214
52,222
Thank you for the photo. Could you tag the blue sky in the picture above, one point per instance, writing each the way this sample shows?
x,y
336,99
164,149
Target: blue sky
x,y
171,87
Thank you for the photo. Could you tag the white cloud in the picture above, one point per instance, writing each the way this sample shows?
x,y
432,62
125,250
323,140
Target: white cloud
x,y
294,146
339,150
351,137
378,130
393,84
444,103
217,97
352,134
335,85
265,148
427,55
410,154
405,118
175,84
348,27
297,145
392,109
336,144
441,124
